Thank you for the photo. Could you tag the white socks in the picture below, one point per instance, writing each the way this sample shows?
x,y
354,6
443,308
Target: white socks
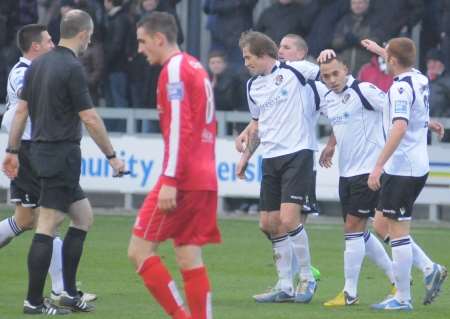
x,y
300,245
353,258
8,230
55,270
378,255
402,258
282,255
420,259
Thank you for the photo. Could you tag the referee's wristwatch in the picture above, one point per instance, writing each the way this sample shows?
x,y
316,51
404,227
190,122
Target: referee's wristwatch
x,y
12,150
110,157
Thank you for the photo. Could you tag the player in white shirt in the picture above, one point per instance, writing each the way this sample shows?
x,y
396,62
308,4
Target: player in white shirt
x,y
355,111
292,48
283,108
33,40
404,160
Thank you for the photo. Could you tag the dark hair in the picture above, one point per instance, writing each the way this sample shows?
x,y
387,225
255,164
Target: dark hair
x,y
337,58
258,44
28,34
404,50
161,22
74,22
217,54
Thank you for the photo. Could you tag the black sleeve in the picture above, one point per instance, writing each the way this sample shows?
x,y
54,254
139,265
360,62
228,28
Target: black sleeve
x,y
78,89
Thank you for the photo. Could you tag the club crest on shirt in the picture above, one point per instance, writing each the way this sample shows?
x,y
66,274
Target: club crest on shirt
x,y
345,98
278,79
400,90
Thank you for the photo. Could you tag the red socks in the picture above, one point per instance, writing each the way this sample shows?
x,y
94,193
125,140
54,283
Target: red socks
x,y
161,285
197,290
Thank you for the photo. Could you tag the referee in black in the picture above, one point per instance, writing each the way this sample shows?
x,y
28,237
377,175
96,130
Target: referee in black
x,y
56,96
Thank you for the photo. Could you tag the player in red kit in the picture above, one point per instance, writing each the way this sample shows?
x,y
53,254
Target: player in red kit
x,y
182,205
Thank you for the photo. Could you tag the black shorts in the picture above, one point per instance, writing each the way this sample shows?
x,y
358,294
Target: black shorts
x,y
398,194
286,179
357,199
58,166
25,187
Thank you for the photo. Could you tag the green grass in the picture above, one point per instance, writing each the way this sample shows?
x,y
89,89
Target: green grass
x,y
239,267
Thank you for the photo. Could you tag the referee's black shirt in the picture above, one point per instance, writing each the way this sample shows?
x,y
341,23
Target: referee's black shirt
x,y
55,88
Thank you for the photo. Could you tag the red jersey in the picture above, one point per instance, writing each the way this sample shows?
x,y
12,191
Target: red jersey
x,y
188,124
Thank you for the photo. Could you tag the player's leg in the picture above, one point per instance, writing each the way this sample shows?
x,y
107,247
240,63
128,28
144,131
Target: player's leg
x,y
149,230
296,175
196,282
270,198
397,199
155,276
13,226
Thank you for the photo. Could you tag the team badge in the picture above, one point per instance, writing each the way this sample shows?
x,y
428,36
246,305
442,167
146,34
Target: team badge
x,y
346,98
278,79
400,90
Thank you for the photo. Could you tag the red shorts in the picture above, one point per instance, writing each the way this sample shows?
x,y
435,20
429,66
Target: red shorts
x,y
193,222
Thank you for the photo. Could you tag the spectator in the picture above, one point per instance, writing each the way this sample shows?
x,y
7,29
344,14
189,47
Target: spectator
x,y
224,81
169,6
430,33
350,30
226,21
376,73
444,27
439,84
397,18
322,29
94,63
287,16
117,28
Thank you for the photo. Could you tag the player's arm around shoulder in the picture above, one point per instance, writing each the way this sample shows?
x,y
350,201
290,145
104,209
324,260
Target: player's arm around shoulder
x,y
309,70
376,97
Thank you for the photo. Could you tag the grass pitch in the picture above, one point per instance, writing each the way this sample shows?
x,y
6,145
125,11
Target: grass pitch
x,y
239,268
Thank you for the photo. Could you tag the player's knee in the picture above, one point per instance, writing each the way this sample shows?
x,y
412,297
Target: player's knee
x,y
24,218
264,226
354,224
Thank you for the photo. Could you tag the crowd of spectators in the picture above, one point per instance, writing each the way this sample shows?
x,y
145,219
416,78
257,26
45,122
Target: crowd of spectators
x,y
119,77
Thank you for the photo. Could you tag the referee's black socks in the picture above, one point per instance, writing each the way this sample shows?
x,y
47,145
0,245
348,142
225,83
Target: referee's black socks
x,y
71,254
39,258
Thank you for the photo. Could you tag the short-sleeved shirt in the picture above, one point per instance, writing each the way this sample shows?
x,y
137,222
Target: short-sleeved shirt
x,y
408,100
56,90
283,102
356,115
14,88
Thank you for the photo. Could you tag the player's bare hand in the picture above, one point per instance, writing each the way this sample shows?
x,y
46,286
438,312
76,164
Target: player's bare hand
x,y
326,55
167,198
241,141
326,157
118,167
371,46
11,165
241,167
437,127
374,182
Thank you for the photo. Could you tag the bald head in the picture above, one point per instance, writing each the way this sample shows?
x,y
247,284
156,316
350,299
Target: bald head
x,y
74,22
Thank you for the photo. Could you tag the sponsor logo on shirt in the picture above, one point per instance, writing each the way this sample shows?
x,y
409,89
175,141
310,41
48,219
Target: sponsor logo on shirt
x,y
175,91
401,107
340,119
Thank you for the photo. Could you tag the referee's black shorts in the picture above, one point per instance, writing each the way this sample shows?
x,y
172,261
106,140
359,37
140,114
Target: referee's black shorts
x,y
25,187
286,179
58,166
